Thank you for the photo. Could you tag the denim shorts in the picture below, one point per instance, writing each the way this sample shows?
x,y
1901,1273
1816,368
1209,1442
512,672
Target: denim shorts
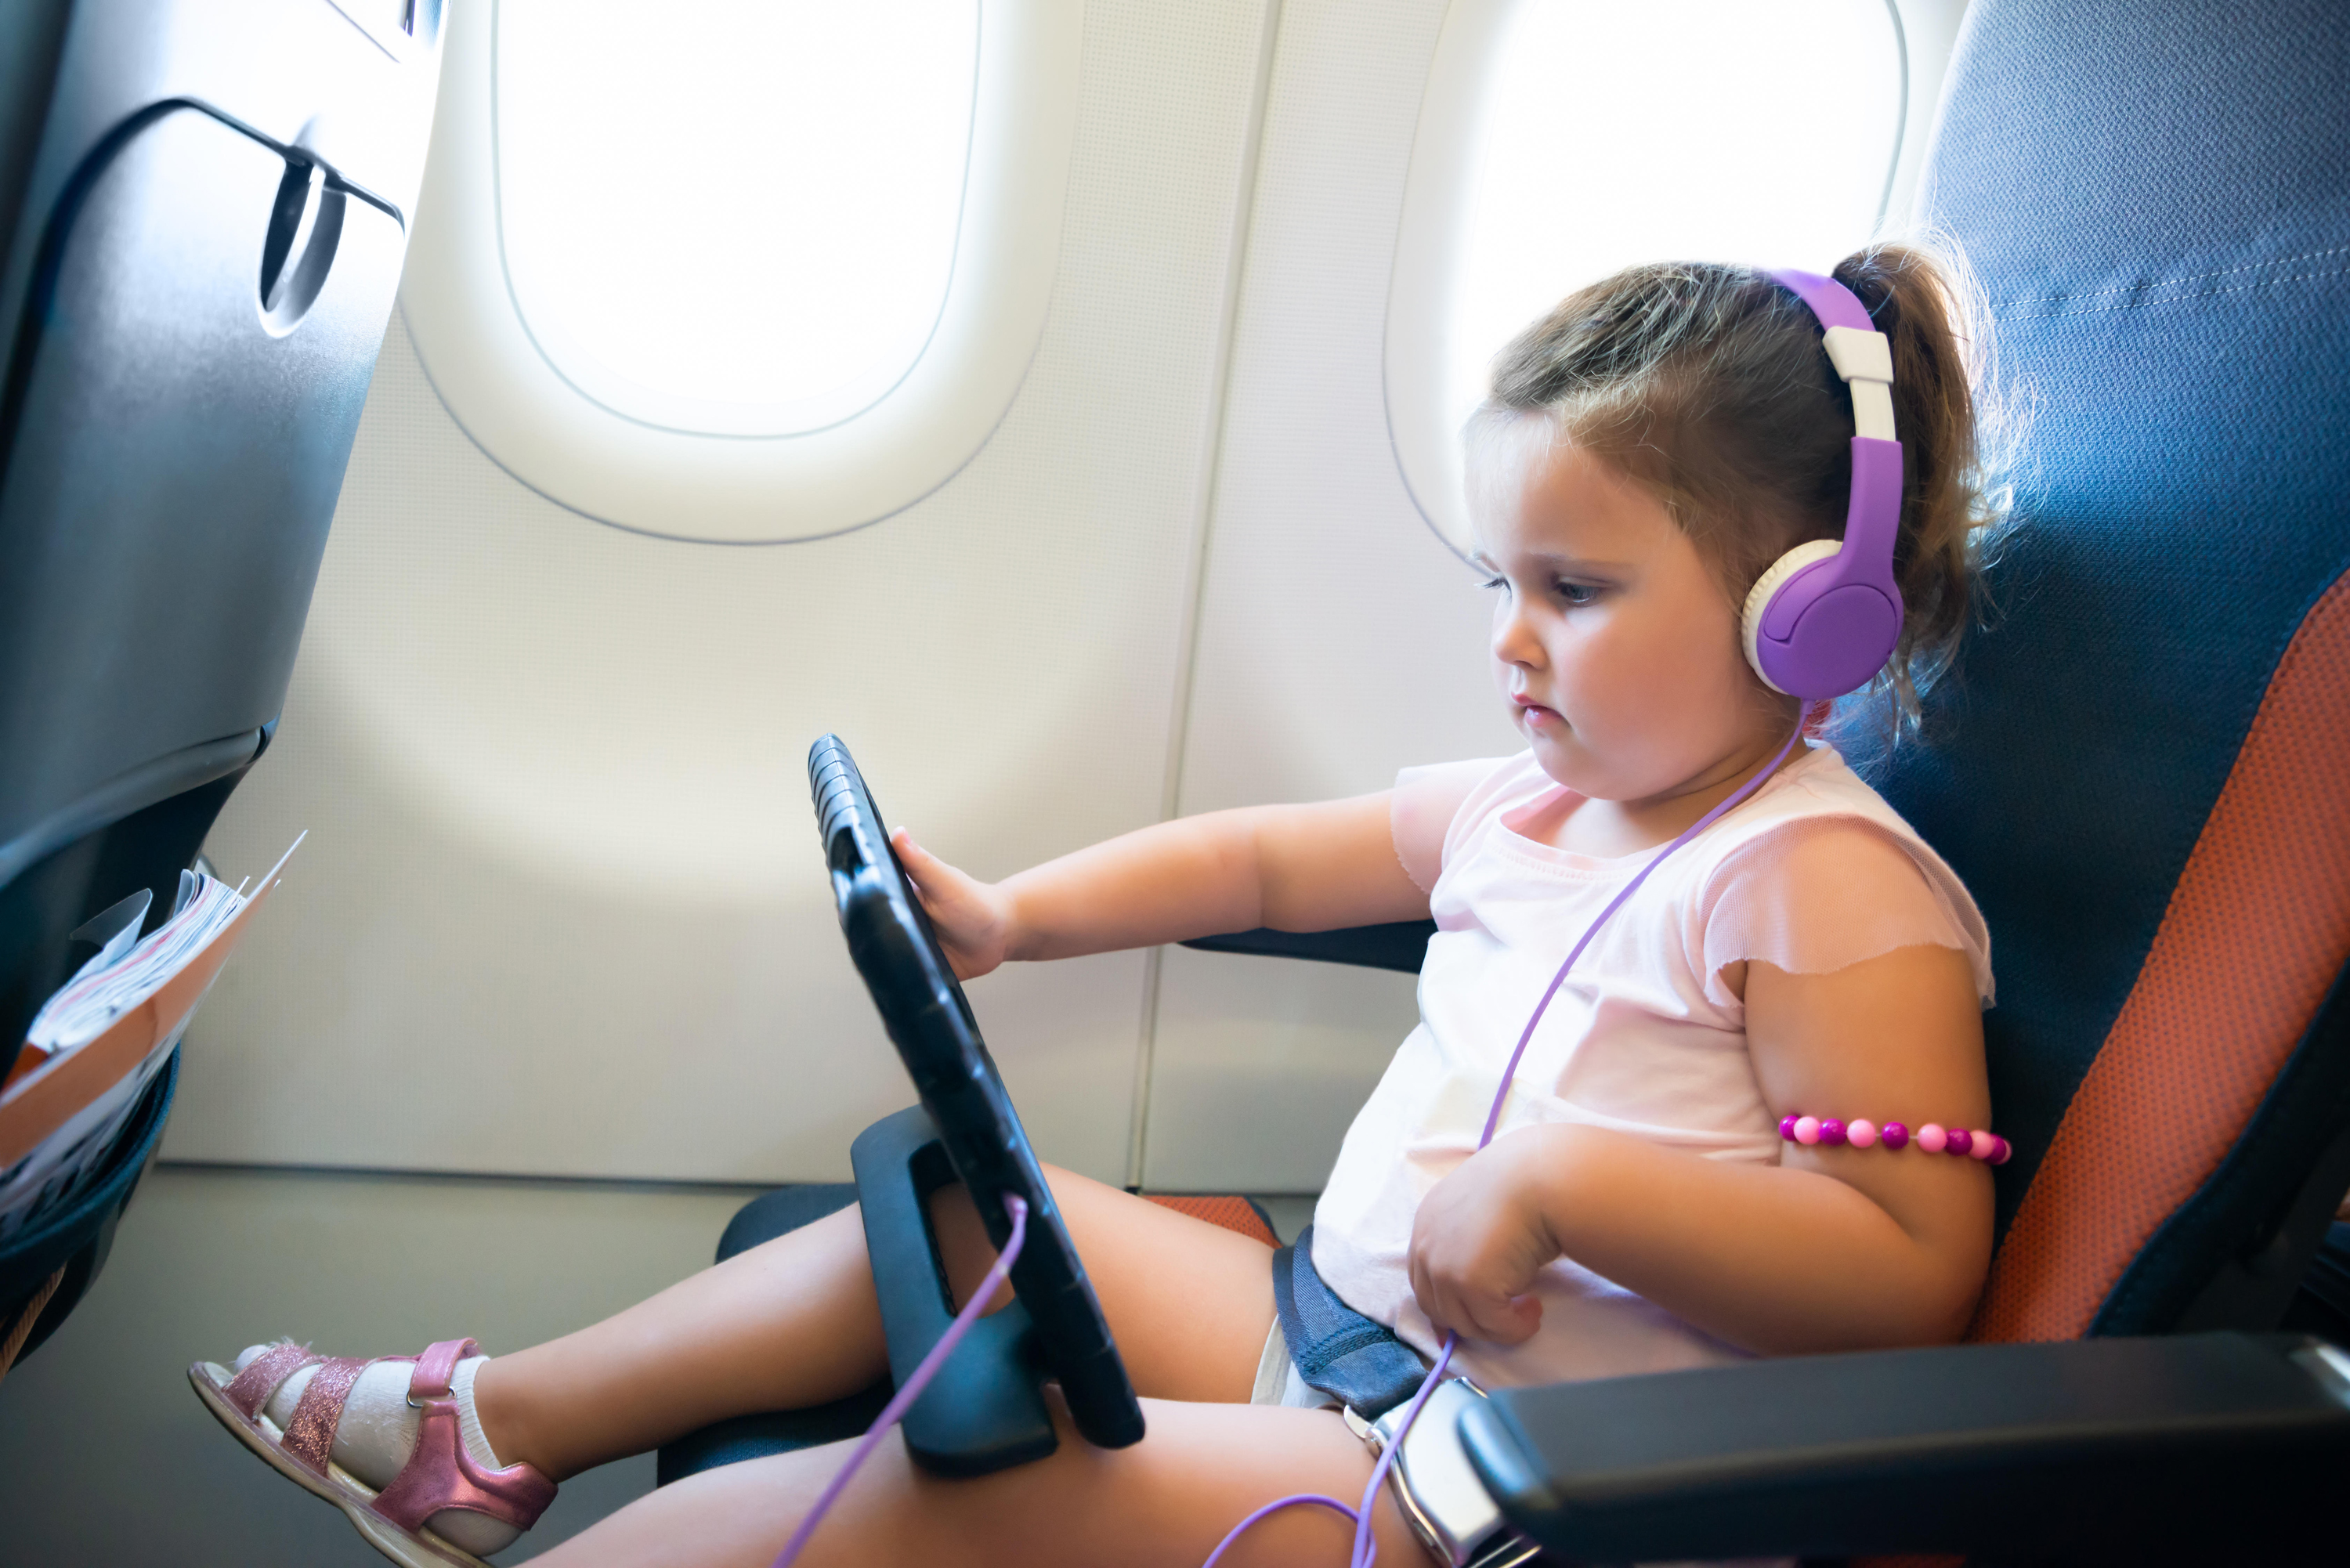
x,y
1322,1353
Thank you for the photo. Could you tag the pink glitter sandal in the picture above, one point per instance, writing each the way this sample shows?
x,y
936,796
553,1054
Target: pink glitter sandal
x,y
440,1474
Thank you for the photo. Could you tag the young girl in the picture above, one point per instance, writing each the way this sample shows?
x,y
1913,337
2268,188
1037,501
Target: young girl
x,y
1648,449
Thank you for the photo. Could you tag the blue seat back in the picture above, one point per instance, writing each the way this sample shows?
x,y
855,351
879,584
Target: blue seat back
x,y
2139,768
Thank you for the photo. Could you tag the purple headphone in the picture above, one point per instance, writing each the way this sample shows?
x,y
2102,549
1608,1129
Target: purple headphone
x,y
1826,616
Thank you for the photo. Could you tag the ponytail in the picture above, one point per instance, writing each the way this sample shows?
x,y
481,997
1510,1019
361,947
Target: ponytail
x,y
1923,305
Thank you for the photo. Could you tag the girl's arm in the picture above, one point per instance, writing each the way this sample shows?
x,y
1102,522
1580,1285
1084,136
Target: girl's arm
x,y
1293,867
1837,1249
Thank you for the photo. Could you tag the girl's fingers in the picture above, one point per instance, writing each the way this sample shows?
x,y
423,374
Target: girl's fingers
x,y
1511,1320
1480,1316
1496,1320
1454,1305
1445,1305
958,907
922,869
903,842
933,878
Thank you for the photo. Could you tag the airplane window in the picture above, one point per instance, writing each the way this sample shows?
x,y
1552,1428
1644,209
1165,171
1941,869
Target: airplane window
x,y
740,271
747,230
1597,135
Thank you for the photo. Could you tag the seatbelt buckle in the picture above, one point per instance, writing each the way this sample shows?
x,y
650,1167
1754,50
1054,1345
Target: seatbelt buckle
x,y
1436,1488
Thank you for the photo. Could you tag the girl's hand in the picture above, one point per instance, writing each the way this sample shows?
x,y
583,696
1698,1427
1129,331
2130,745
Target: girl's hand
x,y
1479,1238
974,918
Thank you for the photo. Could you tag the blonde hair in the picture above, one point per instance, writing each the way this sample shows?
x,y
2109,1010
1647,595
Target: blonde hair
x,y
1708,385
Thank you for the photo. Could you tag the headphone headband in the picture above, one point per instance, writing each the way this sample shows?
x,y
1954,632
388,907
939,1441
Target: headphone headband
x,y
1827,615
1832,302
1856,347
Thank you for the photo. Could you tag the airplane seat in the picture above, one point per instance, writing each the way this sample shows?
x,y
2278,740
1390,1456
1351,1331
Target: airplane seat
x,y
204,223
2126,768
2136,768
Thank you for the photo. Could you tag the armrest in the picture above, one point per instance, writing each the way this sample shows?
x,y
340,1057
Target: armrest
x,y
2198,1446
1400,946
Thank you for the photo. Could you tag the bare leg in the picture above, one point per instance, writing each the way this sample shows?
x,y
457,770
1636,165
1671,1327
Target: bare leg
x,y
1164,1501
794,1322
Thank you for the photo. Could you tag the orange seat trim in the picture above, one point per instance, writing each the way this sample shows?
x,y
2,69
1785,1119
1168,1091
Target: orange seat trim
x,y
1232,1213
2256,931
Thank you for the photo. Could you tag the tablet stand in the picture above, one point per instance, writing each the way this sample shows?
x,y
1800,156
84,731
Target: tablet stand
x,y
986,1409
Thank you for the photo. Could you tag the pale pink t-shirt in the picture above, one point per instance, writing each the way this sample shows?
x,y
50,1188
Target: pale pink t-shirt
x,y
1812,873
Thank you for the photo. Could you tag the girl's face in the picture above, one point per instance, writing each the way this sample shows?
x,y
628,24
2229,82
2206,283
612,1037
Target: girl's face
x,y
1613,640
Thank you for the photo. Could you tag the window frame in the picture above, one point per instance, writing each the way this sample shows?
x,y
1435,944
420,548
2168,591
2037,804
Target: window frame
x,y
514,403
1431,230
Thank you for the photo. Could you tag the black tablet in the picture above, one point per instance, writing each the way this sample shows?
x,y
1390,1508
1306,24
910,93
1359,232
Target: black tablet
x,y
923,1007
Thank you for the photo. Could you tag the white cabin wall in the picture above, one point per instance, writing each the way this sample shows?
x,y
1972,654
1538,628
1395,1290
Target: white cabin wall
x,y
1339,639
562,910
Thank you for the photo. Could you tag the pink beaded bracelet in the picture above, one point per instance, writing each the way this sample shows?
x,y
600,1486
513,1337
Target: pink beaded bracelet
x,y
1987,1146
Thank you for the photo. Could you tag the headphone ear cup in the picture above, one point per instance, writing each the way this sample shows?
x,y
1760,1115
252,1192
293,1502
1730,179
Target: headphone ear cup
x,y
1766,588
